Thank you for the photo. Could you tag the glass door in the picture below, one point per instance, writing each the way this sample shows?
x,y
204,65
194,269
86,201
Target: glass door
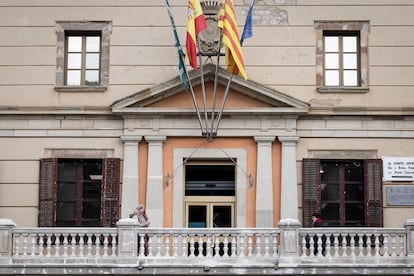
x,y
204,214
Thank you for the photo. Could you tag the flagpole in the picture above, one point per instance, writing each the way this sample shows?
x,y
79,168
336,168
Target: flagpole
x,y
215,86
203,89
194,100
223,102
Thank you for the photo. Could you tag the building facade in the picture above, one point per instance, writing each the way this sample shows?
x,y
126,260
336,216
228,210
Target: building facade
x,y
94,118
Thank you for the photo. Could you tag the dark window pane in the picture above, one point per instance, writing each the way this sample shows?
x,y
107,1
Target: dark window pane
x,y
91,209
330,211
329,192
66,171
330,172
65,211
354,211
222,216
66,191
354,192
197,216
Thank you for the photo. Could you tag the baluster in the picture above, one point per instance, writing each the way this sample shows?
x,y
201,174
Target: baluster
x,y
114,245
361,245
167,238
184,245
393,245
336,245
352,241
319,244
226,246
210,238
267,247
217,247
304,249
258,250
242,247
249,245
275,246
24,244
175,246
65,245
234,246
311,246
105,245
192,247
33,245
344,245
158,245
369,248
328,245
401,247
141,241
385,247
17,244
376,244
81,252
48,244
89,243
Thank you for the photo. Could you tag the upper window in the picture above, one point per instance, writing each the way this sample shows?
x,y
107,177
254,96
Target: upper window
x,y
82,56
341,56
342,60
83,59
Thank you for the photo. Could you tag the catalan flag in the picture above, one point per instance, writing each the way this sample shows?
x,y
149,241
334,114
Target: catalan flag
x,y
195,24
181,66
234,55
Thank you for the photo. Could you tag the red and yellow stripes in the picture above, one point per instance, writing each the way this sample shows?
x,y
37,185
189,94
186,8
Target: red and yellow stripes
x,y
195,24
234,55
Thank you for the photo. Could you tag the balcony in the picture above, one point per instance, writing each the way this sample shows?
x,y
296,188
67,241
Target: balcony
x,y
127,249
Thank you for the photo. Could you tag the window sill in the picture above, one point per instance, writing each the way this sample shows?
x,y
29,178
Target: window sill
x,y
80,88
326,89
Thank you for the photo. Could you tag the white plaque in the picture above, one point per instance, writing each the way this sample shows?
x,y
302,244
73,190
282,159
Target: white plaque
x,y
398,168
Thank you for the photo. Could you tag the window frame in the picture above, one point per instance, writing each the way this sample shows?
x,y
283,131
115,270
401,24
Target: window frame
x,y
110,192
62,30
342,27
311,194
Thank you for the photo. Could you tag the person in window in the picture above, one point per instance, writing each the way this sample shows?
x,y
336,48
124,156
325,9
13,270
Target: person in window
x,y
316,220
143,221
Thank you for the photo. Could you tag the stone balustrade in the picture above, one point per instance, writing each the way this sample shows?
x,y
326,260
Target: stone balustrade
x,y
128,249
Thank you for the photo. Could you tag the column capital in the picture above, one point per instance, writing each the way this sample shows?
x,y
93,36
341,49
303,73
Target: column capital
x,y
131,138
155,138
264,139
288,139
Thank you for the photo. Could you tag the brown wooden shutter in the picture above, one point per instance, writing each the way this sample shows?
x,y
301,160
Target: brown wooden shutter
x,y
310,189
373,192
110,191
47,192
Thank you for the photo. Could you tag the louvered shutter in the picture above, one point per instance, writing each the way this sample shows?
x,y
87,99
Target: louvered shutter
x,y
110,192
373,192
311,193
47,192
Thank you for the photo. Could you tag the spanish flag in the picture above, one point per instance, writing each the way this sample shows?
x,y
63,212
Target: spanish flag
x,y
195,24
234,55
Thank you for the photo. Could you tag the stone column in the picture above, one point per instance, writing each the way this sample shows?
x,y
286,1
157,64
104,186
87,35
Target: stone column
x,y
6,240
264,190
127,238
130,174
155,202
289,242
289,189
409,226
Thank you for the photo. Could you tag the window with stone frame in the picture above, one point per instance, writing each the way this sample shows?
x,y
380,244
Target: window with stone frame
x,y
82,56
342,56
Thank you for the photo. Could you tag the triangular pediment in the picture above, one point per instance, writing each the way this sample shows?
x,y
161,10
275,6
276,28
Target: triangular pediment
x,y
242,96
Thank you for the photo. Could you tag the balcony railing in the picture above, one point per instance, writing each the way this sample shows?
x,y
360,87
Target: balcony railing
x,y
128,249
